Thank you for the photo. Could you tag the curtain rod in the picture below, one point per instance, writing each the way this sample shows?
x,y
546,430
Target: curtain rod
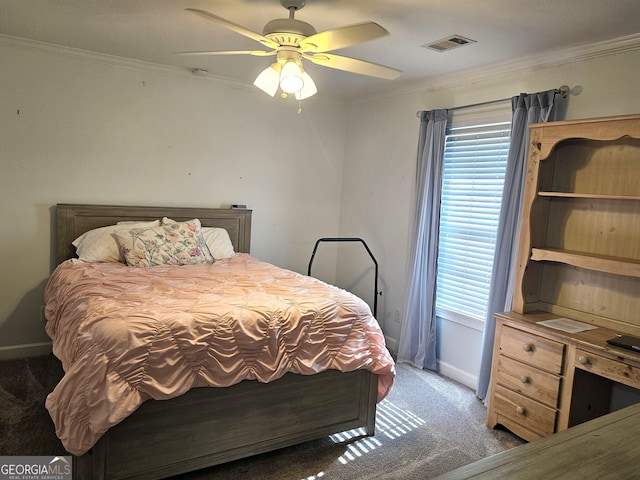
x,y
563,90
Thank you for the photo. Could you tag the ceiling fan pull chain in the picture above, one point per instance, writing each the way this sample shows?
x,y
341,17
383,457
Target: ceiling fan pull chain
x,y
299,107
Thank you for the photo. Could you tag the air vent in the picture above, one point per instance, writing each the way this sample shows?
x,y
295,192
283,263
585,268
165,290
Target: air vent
x,y
448,43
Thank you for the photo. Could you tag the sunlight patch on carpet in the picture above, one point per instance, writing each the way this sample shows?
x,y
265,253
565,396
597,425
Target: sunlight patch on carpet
x,y
315,477
391,420
394,421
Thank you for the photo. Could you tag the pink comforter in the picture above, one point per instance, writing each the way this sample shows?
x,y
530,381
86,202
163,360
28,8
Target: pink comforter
x,y
125,335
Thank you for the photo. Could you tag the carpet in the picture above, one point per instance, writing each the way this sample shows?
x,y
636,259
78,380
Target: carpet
x,y
427,425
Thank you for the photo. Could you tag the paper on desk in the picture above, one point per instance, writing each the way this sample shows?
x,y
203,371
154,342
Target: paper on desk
x,y
567,325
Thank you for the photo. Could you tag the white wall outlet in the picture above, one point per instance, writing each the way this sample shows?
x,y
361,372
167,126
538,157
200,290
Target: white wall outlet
x,y
398,316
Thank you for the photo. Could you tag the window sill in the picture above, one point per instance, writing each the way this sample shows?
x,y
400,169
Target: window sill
x,y
460,319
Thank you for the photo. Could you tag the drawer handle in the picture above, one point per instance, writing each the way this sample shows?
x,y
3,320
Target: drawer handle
x,y
527,347
583,360
520,410
524,379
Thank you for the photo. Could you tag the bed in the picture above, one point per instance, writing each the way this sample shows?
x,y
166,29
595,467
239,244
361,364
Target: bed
x,y
204,425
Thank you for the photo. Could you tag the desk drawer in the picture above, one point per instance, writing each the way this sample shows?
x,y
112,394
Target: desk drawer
x,y
607,367
532,349
528,413
524,379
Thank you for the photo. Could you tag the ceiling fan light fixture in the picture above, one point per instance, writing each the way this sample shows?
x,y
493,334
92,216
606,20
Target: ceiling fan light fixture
x,y
269,79
291,77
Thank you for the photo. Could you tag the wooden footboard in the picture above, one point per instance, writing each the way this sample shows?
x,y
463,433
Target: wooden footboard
x,y
209,426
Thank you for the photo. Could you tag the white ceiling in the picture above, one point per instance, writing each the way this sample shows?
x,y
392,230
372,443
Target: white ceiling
x,y
153,30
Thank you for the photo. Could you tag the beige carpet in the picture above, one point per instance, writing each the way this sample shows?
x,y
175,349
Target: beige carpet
x,y
428,425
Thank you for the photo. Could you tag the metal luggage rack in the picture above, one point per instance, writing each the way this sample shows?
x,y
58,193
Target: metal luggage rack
x,y
364,244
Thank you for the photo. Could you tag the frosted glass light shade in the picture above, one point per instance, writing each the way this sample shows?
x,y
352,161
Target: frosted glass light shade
x,y
269,80
308,89
291,78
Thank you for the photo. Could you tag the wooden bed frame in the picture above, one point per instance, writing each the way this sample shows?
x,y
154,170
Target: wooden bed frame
x,y
209,426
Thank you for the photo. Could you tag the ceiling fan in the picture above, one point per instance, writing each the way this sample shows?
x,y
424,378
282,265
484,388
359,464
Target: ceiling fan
x,y
292,40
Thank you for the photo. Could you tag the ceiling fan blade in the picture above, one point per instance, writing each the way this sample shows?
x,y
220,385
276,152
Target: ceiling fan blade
x,y
353,65
257,53
342,37
234,27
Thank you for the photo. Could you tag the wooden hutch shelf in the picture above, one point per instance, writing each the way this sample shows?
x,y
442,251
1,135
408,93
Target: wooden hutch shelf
x,y
600,263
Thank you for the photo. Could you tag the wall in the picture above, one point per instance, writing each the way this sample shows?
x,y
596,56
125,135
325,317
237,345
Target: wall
x,y
381,152
77,127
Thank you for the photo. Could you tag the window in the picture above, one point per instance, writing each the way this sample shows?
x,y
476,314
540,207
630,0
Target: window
x,y
473,178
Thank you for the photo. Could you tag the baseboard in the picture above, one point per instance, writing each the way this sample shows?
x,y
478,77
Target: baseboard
x,y
460,376
23,351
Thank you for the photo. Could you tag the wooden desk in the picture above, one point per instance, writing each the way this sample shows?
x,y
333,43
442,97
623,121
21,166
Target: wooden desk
x,y
545,380
607,447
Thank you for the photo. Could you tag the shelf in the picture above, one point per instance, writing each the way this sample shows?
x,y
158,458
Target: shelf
x,y
600,263
589,195
579,247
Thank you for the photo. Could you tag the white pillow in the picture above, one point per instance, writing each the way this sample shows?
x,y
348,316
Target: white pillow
x,y
217,239
99,244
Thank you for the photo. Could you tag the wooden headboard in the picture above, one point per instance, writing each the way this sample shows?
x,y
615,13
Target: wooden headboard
x,y
74,220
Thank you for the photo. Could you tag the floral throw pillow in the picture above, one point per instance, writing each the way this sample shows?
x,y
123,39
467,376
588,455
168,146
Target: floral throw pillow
x,y
178,243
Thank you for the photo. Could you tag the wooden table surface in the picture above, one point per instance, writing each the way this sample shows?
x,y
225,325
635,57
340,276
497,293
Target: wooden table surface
x,y
607,447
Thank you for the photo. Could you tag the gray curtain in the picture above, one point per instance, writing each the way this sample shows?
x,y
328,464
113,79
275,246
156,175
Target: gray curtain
x,y
527,109
417,343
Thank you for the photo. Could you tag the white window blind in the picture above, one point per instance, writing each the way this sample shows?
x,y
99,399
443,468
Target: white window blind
x,y
473,178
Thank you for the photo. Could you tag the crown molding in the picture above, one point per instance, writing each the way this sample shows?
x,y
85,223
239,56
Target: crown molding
x,y
485,73
501,70
113,61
